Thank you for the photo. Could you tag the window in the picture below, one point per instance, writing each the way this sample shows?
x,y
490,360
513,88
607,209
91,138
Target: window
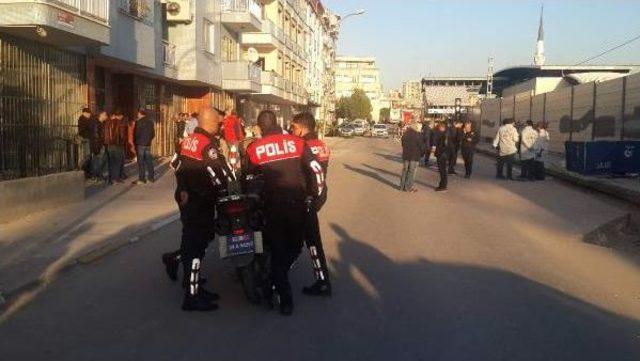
x,y
369,79
209,37
229,49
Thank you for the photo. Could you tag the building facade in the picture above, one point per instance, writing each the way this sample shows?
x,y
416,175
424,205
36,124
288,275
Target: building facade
x,y
412,93
167,57
359,73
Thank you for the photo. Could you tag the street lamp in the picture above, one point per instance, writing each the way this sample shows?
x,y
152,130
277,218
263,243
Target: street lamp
x,y
340,20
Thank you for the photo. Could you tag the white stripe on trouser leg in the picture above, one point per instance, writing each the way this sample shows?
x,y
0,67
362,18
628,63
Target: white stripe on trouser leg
x,y
193,279
315,261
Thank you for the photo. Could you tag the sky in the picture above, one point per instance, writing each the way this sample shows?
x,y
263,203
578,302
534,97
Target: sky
x,y
415,38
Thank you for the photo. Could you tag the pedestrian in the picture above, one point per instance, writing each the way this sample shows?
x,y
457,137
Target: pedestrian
x,y
124,132
114,140
455,138
527,151
84,131
541,148
441,143
232,133
144,133
190,124
304,125
412,150
470,138
427,138
98,153
291,175
180,127
199,169
505,142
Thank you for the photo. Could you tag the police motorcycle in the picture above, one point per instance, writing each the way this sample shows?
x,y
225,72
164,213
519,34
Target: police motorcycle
x,y
238,226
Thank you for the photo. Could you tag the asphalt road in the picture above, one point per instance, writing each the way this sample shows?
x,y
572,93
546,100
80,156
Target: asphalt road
x,y
490,270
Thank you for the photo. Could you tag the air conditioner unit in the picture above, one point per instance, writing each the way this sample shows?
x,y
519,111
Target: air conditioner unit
x,y
178,10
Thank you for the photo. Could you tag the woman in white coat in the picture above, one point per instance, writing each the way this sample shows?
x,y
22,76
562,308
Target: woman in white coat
x,y
527,151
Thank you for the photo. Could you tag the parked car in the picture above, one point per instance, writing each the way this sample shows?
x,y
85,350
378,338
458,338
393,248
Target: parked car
x,y
380,130
346,130
361,126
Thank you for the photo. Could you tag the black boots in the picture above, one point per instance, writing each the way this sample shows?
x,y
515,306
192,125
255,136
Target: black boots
x,y
198,302
319,288
197,298
171,262
286,303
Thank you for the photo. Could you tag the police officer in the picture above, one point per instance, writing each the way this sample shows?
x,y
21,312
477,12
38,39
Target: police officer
x,y
455,140
442,144
202,177
303,125
287,165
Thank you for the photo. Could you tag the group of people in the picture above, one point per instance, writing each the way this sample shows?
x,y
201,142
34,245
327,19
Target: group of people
x,y
532,144
445,141
293,167
110,138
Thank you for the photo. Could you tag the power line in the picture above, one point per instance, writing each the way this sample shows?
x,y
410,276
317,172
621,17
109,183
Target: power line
x,y
610,50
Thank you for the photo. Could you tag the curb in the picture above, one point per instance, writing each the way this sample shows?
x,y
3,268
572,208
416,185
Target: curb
x,y
109,247
595,185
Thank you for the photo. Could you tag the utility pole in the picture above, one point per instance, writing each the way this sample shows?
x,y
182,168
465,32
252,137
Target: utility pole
x,y
490,79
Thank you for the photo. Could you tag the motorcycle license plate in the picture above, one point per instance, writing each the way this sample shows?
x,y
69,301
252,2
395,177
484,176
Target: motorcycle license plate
x,y
237,245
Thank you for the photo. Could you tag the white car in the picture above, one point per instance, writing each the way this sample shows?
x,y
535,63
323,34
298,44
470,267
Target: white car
x,y
360,126
380,130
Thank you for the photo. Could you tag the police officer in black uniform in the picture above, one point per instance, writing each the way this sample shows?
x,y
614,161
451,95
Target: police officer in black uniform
x,y
287,166
202,177
303,125
442,143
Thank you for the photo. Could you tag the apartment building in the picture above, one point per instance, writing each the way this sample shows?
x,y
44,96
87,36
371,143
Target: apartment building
x,y
165,56
412,93
359,73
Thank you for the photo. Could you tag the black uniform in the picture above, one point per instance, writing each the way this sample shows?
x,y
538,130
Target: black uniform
x,y
427,139
291,173
313,238
202,173
443,144
468,147
455,138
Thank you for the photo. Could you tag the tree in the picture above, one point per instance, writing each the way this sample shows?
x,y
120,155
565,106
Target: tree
x,y
343,108
360,105
385,114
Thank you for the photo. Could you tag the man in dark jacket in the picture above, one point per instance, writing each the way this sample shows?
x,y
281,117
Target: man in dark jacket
x,y
114,139
84,131
143,135
455,138
427,138
470,138
96,142
412,150
442,144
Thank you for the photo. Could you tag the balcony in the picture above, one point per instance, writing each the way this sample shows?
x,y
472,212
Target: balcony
x,y
241,76
60,22
242,15
266,40
272,88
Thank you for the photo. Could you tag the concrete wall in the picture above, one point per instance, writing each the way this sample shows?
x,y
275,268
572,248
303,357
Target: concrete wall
x,y
632,108
20,197
490,115
558,117
506,110
582,122
537,108
523,108
608,110
132,40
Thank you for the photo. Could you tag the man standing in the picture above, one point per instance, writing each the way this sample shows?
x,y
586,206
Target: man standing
x,y
200,175
505,141
84,131
303,125
190,124
427,136
470,138
291,173
441,143
455,138
144,133
96,142
114,139
412,150
527,151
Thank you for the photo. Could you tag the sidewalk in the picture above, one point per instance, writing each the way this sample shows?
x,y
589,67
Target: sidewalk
x,y
34,250
627,189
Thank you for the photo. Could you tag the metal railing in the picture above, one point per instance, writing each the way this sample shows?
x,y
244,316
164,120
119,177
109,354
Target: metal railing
x,y
242,6
169,52
241,70
136,8
98,9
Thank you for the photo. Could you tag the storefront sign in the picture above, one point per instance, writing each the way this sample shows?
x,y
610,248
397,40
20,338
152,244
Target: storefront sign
x,y
66,19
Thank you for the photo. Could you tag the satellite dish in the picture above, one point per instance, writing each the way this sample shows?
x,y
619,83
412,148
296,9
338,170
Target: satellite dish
x,y
253,55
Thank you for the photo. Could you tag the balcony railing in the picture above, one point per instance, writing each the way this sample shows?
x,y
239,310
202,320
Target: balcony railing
x,y
169,51
139,9
98,9
242,70
242,6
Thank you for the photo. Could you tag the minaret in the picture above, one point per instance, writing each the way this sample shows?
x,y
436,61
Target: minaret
x,y
539,58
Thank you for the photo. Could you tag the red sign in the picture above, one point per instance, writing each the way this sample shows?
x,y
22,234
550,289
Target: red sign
x,y
66,19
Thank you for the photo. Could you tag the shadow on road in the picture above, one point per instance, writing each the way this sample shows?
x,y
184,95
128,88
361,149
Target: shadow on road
x,y
424,310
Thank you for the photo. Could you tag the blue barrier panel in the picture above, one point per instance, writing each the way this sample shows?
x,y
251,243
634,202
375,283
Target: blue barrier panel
x,y
626,157
603,157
